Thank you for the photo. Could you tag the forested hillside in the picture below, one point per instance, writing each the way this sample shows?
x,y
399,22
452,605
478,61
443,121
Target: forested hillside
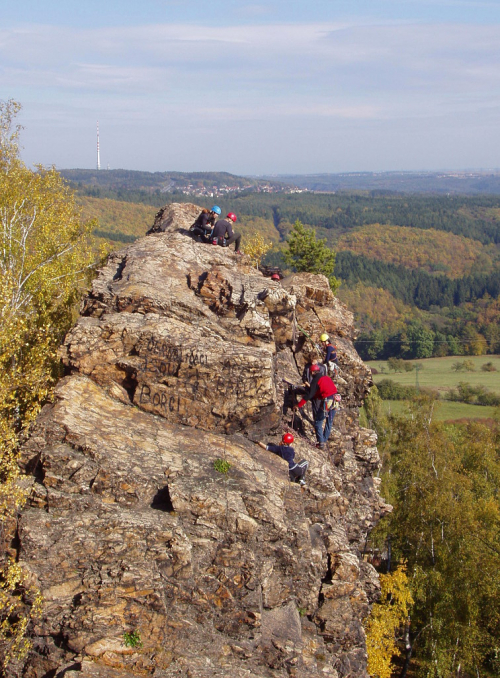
x,y
468,183
420,271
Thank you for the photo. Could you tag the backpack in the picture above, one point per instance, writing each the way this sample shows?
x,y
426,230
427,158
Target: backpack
x,y
332,368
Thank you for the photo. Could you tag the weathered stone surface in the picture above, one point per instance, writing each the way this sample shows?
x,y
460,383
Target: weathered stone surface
x,y
178,361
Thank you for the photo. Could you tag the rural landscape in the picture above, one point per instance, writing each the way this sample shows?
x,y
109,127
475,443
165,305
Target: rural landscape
x,y
420,271
250,339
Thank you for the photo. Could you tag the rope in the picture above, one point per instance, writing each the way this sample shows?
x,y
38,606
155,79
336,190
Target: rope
x,y
306,334
225,484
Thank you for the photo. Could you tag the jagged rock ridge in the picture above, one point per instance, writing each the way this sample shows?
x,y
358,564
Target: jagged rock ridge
x,y
176,362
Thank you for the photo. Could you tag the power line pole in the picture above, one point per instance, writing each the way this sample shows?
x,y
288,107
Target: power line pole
x,y
417,370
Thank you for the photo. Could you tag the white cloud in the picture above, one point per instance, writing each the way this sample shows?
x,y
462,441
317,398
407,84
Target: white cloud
x,y
286,77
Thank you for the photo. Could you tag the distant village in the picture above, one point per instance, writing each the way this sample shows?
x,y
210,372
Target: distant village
x,y
223,189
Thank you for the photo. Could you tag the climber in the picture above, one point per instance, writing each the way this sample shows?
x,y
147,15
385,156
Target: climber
x,y
296,472
321,394
223,233
307,376
330,360
204,224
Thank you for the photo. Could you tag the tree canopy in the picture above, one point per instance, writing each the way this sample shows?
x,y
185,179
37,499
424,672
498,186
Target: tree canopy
x,y
306,253
46,256
443,483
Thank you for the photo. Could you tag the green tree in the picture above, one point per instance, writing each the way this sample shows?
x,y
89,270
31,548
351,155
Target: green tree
x,y
443,483
374,346
454,346
305,252
45,259
420,341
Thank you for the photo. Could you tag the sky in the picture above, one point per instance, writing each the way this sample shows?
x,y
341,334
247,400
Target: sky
x,y
255,88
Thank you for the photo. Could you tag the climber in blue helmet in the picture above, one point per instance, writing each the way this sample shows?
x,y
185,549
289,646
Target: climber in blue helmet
x,y
204,224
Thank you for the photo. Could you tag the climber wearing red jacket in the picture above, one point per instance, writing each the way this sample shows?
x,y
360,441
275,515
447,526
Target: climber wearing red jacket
x,y
321,394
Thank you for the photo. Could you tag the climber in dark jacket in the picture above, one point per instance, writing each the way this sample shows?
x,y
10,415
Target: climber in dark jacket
x,y
330,350
223,233
321,394
296,472
307,375
204,224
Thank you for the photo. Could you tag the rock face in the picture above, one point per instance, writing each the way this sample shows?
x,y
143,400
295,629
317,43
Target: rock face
x,y
152,561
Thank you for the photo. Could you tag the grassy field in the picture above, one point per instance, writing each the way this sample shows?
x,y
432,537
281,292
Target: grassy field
x,y
437,373
446,411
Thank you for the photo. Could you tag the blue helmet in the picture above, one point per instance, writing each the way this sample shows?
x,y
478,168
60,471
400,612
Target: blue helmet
x,y
216,209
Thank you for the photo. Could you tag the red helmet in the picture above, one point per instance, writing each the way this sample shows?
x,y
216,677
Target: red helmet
x,y
314,368
287,438
231,216
275,276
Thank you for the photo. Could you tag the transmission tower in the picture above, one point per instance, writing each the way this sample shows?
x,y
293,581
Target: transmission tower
x,y
98,154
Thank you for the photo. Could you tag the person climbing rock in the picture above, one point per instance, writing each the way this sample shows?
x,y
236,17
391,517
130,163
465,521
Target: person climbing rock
x,y
204,224
223,234
321,394
307,376
330,360
296,472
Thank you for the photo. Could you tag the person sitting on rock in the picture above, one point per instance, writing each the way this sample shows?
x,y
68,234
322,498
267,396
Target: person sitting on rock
x,y
223,233
296,472
204,224
321,394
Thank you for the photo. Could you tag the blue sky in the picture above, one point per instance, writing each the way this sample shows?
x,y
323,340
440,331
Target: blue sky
x,y
254,87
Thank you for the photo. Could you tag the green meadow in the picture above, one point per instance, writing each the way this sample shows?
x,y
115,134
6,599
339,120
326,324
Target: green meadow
x,y
445,410
437,373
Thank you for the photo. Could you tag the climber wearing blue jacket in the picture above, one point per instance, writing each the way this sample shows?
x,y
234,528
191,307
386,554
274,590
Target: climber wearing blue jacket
x,y
296,471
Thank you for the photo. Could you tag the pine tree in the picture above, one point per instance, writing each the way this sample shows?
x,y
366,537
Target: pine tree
x,y
306,253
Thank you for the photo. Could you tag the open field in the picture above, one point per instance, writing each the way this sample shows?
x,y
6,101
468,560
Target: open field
x,y
436,373
446,411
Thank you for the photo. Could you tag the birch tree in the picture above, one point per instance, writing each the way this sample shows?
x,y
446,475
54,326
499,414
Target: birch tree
x,y
46,256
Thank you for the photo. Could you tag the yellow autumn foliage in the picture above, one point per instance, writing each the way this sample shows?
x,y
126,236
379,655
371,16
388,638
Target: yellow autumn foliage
x,y
416,248
387,617
46,256
256,247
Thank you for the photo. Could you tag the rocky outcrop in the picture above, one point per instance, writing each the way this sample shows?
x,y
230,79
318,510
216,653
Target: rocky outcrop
x,y
151,558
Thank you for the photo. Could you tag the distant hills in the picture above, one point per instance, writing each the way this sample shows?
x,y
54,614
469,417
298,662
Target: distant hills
x,y
209,184
213,184
465,183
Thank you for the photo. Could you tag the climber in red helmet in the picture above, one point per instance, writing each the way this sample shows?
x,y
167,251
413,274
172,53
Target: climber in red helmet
x,y
322,396
296,472
223,233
